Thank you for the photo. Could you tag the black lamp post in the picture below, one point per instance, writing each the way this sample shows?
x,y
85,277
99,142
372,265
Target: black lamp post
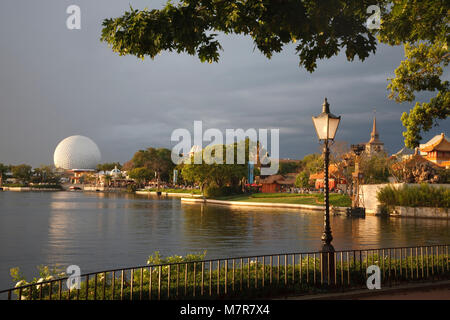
x,y
326,125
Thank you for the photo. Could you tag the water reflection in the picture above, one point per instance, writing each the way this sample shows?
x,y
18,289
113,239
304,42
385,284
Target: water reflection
x,y
105,230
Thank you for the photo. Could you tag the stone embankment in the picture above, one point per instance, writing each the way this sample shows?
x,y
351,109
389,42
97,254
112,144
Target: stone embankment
x,y
339,210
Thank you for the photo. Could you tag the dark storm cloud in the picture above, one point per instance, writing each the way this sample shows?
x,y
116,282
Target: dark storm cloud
x,y
55,83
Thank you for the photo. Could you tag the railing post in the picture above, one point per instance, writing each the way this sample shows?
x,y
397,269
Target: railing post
x,y
307,268
113,285
87,287
159,282
131,283
122,284
300,268
293,269
178,278
185,278
233,275
95,287
264,271
256,272
203,277
150,282
226,277
104,286
168,281
194,280
210,278
285,270
348,268
218,277
271,270
248,270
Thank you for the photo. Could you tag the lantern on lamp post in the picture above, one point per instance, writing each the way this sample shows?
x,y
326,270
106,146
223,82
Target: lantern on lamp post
x,y
326,125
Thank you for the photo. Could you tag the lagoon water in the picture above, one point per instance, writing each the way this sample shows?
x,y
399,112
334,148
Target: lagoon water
x,y
106,230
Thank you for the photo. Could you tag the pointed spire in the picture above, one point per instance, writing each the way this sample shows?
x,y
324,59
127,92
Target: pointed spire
x,y
374,133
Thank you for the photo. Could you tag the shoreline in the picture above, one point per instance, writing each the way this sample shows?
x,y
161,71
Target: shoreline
x,y
177,194
333,210
263,204
29,189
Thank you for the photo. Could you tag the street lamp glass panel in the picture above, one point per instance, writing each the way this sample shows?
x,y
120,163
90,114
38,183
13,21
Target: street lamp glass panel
x,y
333,124
321,125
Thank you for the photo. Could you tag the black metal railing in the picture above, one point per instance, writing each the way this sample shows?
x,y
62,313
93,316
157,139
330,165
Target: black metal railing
x,y
261,276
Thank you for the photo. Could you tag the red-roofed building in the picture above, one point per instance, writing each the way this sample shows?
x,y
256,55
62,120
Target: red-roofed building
x,y
437,150
334,178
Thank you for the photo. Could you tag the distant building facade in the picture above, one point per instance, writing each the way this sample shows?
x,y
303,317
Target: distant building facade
x,y
404,154
77,175
335,179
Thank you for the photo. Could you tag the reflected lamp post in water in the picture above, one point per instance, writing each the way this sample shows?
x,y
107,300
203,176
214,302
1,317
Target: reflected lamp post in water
x,y
326,125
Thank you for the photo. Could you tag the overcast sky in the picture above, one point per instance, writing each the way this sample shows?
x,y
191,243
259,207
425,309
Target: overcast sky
x,y
56,82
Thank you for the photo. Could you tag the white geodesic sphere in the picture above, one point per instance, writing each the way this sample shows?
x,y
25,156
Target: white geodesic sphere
x,y
77,152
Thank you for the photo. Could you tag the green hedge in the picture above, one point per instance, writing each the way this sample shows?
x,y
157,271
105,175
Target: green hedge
x,y
15,185
424,195
214,191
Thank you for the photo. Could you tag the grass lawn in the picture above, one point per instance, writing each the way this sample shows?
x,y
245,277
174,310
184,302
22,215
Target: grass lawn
x,y
339,200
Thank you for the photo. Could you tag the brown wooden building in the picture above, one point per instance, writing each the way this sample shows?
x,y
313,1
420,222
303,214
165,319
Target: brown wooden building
x,y
277,183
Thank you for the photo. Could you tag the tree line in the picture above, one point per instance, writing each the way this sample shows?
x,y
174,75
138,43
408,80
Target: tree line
x,y
25,174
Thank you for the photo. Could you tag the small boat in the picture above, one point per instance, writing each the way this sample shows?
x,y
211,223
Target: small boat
x,y
74,188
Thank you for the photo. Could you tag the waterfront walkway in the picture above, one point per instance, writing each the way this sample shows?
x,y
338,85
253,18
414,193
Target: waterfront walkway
x,y
416,291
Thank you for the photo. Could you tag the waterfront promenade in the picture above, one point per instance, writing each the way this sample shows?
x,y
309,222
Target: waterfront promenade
x,y
414,291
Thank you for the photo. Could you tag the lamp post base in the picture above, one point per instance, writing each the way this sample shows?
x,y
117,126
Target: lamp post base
x,y
327,264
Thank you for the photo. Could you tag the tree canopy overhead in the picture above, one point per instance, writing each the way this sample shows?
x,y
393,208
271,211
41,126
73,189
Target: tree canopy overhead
x,y
423,28
320,29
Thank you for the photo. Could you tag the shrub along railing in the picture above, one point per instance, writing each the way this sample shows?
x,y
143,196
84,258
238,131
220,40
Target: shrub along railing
x,y
262,276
